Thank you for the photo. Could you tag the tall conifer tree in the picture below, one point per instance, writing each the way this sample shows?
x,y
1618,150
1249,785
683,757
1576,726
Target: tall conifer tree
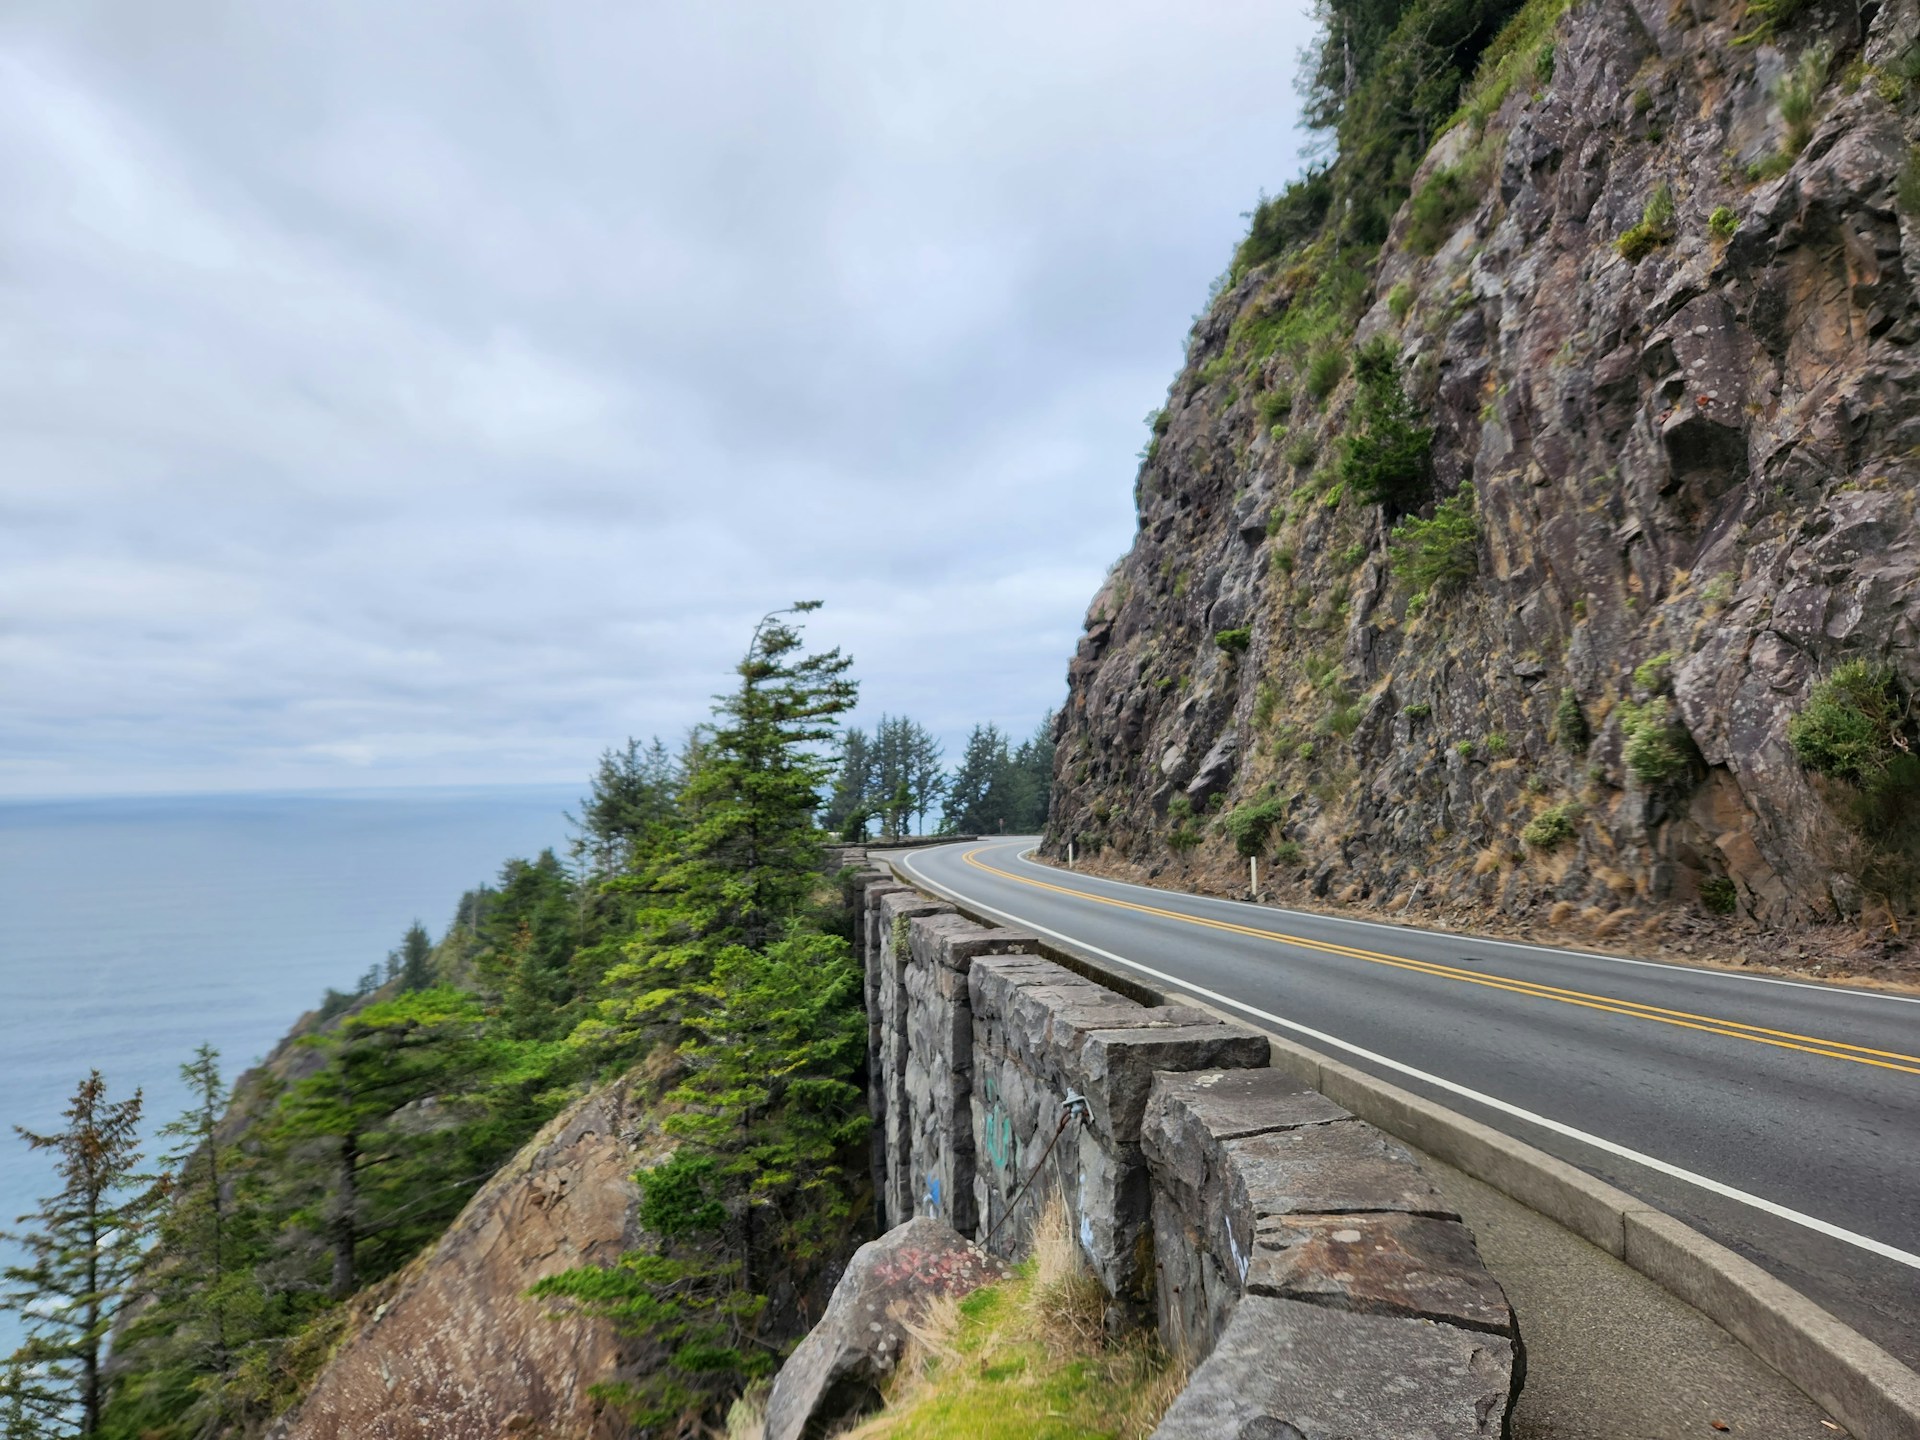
x,y
83,1250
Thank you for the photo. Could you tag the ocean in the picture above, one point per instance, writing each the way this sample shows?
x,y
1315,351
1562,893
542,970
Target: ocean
x,y
133,929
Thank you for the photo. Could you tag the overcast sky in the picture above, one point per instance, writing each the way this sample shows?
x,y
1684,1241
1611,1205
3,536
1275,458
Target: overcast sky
x,y
432,393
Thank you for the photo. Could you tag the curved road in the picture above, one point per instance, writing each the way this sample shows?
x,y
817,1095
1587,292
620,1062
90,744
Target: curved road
x,y
1780,1117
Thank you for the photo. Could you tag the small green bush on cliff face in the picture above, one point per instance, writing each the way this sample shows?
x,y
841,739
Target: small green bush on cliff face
x,y
1552,828
1285,220
1798,94
1655,228
1723,223
1447,198
1769,17
1324,371
1183,834
1717,893
1250,825
1385,457
1235,641
1655,676
1658,749
1431,557
1570,727
1857,727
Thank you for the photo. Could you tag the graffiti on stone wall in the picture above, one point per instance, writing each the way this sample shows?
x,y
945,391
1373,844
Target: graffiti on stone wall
x,y
1002,1145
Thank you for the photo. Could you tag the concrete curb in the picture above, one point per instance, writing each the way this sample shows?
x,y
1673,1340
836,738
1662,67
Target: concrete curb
x,y
1862,1386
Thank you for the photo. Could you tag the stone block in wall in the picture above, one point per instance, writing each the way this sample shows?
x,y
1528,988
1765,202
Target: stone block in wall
x,y
888,1062
938,1078
1282,1368
867,933
1187,1123
1388,1264
1262,1187
1041,1034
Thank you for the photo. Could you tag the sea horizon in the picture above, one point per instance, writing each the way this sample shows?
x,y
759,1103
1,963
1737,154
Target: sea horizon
x,y
136,927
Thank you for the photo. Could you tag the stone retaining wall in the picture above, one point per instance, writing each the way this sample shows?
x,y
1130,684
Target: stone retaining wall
x,y
1296,1255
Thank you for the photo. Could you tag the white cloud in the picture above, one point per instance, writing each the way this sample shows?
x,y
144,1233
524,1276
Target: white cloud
x,y
438,393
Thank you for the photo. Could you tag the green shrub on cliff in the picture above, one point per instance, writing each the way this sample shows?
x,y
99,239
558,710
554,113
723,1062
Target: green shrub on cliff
x,y
1658,749
1450,195
1249,826
1552,827
1798,94
1385,455
1858,728
1854,724
1432,557
1655,228
1286,220
1570,727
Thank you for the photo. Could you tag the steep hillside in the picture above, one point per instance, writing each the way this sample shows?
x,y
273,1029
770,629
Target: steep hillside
x,y
1491,562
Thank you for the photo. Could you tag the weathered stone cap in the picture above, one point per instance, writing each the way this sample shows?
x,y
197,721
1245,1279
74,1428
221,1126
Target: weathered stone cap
x,y
954,941
835,1372
1287,1371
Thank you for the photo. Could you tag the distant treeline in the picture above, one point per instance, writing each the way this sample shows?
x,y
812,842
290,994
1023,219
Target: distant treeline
x,y
895,777
689,924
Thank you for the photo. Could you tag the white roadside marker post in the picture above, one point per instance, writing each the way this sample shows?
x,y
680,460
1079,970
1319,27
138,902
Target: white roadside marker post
x,y
1253,872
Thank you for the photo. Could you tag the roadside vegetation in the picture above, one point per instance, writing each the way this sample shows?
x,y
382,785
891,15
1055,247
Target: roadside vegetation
x,y
1028,1359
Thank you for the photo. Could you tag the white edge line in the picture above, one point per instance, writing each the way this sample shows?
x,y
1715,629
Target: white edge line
x,y
1810,1222
1469,937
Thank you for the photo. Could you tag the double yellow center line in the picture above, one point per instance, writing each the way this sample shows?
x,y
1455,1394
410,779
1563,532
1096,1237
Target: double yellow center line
x,y
1632,1009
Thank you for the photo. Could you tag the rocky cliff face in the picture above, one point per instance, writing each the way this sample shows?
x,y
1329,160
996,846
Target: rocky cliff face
x,y
451,1347
1693,469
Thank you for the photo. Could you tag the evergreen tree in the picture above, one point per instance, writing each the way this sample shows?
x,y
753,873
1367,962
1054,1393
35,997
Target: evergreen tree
x,y
751,853
416,958
367,1171
203,1305
529,944
632,795
926,777
976,803
29,1409
82,1255
1031,779
763,1011
851,804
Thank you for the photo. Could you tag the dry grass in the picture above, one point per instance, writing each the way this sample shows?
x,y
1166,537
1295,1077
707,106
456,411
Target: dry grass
x,y
1351,893
1486,862
1561,912
1065,1306
747,1417
1592,916
1651,926
1553,865
1618,881
1612,924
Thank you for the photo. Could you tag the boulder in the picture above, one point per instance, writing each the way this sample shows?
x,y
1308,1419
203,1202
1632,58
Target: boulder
x,y
836,1371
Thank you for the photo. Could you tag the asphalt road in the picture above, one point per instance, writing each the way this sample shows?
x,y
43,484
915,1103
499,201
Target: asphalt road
x,y
1780,1117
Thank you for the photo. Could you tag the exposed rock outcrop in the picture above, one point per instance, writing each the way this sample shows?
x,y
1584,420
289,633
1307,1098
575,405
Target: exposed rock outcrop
x,y
454,1349
836,1372
1707,453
